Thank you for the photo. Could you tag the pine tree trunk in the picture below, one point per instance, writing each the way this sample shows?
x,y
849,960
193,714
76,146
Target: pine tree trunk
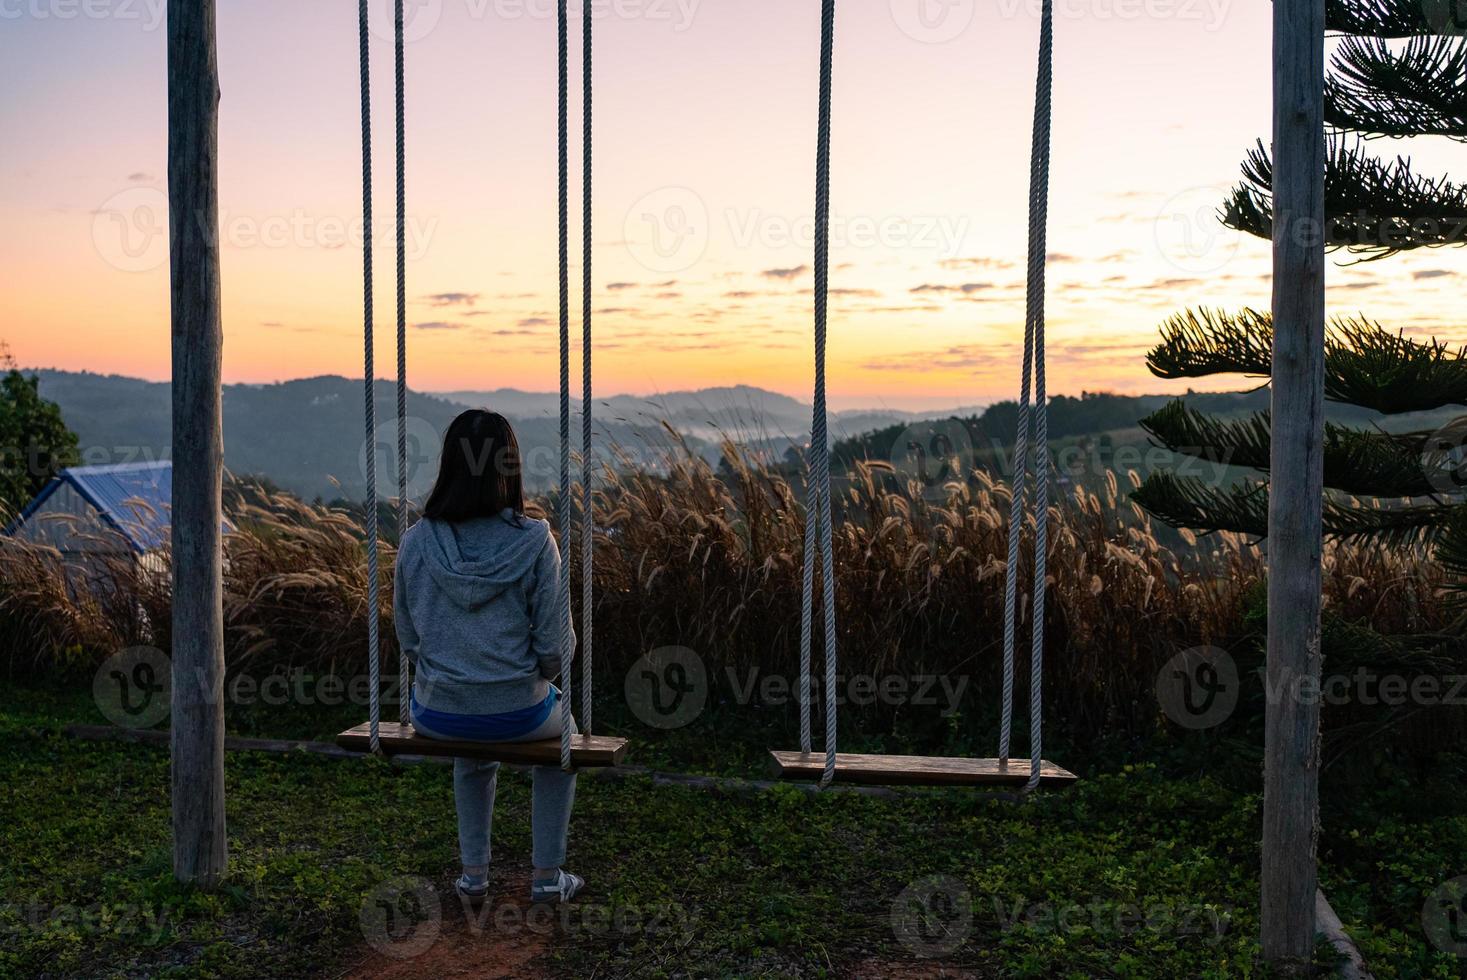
x,y
200,849
1291,741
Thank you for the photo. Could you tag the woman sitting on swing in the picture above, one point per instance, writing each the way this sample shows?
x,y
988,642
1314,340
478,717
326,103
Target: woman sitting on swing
x,y
479,612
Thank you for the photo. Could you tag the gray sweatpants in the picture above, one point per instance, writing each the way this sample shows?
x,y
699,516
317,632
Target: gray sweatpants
x,y
474,783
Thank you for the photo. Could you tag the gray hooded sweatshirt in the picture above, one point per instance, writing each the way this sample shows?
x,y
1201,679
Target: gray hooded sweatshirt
x,y
478,611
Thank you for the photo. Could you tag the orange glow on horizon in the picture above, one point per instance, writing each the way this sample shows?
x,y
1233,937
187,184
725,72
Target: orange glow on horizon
x,y
701,242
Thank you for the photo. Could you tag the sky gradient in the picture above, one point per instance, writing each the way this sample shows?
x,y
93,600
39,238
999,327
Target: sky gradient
x,y
705,113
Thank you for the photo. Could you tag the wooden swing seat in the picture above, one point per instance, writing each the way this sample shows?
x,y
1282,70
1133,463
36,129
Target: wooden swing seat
x,y
918,770
587,751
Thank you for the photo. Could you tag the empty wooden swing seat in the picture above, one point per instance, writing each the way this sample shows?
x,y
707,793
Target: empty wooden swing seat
x,y
902,770
587,751
918,770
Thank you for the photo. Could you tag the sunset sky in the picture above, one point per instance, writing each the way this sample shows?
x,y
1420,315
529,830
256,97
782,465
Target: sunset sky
x,y
705,120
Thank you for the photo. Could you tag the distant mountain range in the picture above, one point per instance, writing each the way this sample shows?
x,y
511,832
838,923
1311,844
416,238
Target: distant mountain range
x,y
708,413
307,436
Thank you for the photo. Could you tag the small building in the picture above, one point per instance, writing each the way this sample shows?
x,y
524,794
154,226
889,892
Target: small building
x,y
93,512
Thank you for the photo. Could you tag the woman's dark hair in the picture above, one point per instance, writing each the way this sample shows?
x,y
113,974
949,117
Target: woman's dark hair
x,y
479,471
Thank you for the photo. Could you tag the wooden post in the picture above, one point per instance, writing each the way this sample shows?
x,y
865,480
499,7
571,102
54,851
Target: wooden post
x,y
200,849
1291,740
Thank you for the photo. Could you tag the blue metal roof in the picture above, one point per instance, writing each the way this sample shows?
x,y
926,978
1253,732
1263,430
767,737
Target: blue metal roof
x,y
134,498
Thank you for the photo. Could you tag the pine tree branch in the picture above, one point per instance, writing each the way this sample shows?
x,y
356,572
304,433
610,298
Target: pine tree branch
x,y
1231,442
1415,90
1203,342
1365,364
1391,18
1191,503
1369,366
1372,464
1390,524
1243,507
1354,644
1372,208
1451,552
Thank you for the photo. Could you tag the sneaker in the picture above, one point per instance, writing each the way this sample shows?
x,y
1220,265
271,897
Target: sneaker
x,y
470,890
563,888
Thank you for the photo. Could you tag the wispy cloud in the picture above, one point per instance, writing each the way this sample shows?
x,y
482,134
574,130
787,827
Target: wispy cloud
x,y
451,299
1170,284
793,272
845,291
969,358
967,287
976,262
997,359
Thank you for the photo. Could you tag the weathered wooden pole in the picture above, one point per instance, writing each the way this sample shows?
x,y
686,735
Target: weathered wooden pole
x,y
200,849
1291,740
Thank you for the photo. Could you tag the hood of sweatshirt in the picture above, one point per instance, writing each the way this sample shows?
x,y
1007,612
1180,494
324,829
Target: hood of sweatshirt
x,y
475,561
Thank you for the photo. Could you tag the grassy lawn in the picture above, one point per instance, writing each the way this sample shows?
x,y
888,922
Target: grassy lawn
x,y
1137,872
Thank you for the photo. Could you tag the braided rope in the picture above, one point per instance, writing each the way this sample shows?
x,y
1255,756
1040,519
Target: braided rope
x,y
1019,492
404,671
588,459
563,504
807,596
817,497
374,667
1039,215
1033,366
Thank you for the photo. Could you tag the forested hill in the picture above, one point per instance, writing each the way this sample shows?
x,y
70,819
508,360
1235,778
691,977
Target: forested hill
x,y
1089,414
1096,413
306,436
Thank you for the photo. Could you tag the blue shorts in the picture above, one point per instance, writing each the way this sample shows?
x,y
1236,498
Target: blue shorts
x,y
485,728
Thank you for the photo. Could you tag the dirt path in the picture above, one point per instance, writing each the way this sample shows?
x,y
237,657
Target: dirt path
x,y
506,937
420,930
895,970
